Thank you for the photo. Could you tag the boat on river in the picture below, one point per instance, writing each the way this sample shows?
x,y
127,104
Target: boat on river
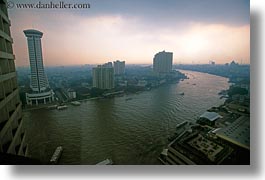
x,y
62,107
56,155
105,162
76,103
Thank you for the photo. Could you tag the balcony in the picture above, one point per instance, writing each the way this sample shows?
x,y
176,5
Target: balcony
x,y
6,146
14,88
2,44
19,120
22,136
24,150
8,93
17,148
6,28
3,8
14,131
17,104
11,112
2,125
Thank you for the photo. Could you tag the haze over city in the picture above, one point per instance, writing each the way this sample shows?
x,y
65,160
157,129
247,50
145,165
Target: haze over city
x,y
134,31
121,82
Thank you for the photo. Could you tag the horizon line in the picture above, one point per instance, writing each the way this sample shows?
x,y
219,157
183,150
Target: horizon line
x,y
130,64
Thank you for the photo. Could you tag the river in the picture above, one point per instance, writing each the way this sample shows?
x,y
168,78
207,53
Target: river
x,y
132,129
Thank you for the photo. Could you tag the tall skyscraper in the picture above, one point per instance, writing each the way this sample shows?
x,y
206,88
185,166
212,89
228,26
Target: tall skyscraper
x,y
12,132
119,67
162,62
103,77
41,92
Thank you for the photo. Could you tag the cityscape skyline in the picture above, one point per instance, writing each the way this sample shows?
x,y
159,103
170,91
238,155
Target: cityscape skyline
x,y
151,115
107,32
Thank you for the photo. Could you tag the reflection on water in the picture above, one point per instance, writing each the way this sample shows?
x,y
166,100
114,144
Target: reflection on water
x,y
127,131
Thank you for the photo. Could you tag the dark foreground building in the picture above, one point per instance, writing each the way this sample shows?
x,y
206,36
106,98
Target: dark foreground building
x,y
12,132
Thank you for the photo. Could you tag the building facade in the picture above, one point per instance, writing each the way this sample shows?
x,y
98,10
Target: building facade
x,y
162,62
12,131
119,67
40,89
71,94
108,65
103,77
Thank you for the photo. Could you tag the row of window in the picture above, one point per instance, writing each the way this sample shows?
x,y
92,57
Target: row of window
x,y
5,46
9,113
3,7
7,87
7,66
8,138
4,25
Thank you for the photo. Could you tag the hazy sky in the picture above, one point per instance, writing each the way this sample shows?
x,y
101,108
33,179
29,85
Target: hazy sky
x,y
134,30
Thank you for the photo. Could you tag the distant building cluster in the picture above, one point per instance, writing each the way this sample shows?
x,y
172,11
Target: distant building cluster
x,y
162,62
103,75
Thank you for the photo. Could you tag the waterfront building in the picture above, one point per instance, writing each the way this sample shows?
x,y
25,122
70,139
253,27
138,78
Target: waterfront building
x,y
119,67
71,94
162,62
103,77
40,89
194,146
12,131
237,133
209,118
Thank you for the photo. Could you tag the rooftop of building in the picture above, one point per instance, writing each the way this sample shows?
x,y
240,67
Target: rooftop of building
x,y
32,32
237,132
207,147
211,116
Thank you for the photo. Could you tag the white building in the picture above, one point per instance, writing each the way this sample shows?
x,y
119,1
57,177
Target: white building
x,y
40,90
71,93
162,62
103,77
119,67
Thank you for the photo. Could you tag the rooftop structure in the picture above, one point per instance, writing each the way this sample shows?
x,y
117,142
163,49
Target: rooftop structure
x,y
193,146
211,116
207,147
237,133
208,118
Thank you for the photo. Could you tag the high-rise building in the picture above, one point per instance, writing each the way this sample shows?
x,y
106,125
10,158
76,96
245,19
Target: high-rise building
x,y
162,62
40,89
108,65
12,131
119,67
103,77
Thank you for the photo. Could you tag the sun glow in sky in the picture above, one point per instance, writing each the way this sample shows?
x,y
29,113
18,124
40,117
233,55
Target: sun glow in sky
x,y
195,31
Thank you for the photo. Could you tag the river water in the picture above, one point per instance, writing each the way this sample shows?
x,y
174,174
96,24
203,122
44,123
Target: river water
x,y
132,129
